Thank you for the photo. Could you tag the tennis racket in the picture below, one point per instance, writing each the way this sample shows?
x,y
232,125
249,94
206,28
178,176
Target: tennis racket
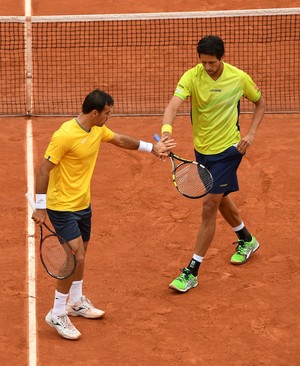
x,y
190,178
56,254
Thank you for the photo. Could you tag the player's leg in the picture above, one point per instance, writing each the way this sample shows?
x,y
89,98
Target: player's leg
x,y
222,166
78,304
58,315
208,224
188,278
66,225
247,243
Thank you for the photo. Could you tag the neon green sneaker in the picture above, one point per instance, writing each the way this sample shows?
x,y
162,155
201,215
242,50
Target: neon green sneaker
x,y
184,282
244,250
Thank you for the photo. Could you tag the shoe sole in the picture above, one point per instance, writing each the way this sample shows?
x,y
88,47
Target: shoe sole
x,y
87,317
246,259
49,322
177,289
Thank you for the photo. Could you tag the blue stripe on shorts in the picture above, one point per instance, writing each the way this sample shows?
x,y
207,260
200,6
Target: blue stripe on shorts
x,y
223,168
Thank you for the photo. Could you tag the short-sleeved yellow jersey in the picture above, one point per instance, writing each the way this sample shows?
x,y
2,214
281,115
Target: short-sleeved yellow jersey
x,y
74,152
215,105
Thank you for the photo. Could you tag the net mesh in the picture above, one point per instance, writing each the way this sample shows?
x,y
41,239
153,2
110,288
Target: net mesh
x,y
139,60
12,68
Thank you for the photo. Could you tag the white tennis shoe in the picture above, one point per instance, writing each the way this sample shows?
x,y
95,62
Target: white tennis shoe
x,y
63,325
84,308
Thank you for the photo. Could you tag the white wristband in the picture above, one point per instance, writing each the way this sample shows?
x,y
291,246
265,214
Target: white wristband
x,y
145,146
40,201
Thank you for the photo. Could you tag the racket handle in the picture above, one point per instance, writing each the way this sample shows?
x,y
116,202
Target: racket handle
x,y
30,200
156,137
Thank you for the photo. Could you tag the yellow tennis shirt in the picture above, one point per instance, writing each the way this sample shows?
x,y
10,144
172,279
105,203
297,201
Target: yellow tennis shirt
x,y
215,105
74,152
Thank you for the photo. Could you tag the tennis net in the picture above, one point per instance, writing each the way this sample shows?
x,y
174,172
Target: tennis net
x,y
49,64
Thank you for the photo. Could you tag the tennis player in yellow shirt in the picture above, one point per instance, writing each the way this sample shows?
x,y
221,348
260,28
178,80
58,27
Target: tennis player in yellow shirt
x,y
215,89
63,193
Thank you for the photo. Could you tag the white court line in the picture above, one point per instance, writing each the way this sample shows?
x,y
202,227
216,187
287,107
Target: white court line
x,y
31,253
32,358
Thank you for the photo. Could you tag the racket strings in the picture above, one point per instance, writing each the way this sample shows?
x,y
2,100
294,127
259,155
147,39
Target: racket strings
x,y
57,257
192,179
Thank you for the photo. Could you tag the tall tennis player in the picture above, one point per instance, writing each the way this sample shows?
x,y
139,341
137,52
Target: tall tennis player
x,y
215,89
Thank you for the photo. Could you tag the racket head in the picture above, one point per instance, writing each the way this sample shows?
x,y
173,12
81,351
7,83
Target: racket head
x,y
56,255
190,178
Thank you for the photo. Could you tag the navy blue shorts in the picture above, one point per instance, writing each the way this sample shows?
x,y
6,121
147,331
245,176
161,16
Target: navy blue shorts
x,y
71,225
223,168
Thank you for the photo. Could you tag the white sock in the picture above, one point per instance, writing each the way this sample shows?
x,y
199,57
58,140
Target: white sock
x,y
198,258
59,307
240,227
75,292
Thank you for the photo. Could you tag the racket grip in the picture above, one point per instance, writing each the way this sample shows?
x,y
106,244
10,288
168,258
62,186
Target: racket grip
x,y
30,200
156,137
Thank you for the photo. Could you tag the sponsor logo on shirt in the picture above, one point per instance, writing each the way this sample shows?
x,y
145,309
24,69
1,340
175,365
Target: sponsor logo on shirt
x,y
179,87
215,90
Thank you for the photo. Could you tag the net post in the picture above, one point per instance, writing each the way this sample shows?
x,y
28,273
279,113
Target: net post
x,y
28,38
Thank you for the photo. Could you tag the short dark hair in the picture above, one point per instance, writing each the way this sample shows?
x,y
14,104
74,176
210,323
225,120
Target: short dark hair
x,y
211,45
97,99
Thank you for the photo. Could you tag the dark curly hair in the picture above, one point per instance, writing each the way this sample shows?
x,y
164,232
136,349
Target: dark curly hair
x,y
211,45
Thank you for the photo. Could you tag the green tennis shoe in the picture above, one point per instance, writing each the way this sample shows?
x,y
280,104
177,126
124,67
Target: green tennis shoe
x,y
243,251
185,281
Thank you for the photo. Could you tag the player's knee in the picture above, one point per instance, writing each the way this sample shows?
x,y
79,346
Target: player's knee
x,y
80,255
209,209
79,249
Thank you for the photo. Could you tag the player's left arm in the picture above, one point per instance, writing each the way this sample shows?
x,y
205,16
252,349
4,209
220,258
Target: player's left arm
x,y
258,114
252,93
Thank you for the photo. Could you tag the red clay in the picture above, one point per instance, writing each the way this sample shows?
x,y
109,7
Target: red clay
x,y
144,232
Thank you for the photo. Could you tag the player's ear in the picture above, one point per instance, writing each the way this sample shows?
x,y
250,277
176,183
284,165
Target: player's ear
x,y
95,113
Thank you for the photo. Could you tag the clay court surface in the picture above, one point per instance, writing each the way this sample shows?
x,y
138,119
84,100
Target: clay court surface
x,y
144,232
